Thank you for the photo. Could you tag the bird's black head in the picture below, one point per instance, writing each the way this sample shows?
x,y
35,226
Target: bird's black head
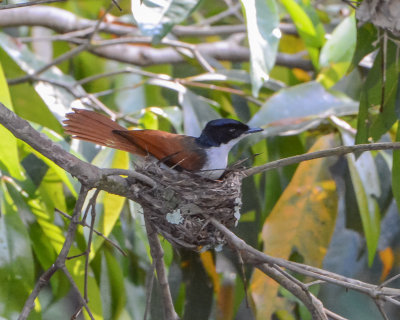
x,y
222,131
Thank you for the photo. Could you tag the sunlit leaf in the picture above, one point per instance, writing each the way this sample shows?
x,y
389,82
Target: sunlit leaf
x,y
302,221
262,22
8,143
299,108
156,18
313,35
337,53
111,203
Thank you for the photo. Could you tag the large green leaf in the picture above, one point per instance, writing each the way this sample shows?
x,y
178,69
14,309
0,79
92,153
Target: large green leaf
x,y
337,53
8,143
262,22
156,18
365,179
299,108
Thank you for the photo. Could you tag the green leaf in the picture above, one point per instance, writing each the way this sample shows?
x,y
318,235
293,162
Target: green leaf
x,y
375,119
396,171
337,53
312,35
300,108
262,22
365,179
16,261
8,143
111,286
156,18
366,36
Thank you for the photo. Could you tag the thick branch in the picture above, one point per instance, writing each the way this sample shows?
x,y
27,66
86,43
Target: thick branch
x,y
64,21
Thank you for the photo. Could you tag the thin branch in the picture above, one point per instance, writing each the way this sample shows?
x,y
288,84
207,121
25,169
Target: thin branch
x,y
92,205
338,151
76,289
157,253
333,315
310,301
84,224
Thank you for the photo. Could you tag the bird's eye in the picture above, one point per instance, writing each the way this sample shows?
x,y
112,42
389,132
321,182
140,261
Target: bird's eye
x,y
232,130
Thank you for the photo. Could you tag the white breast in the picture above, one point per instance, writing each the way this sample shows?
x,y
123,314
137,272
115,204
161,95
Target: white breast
x,y
217,160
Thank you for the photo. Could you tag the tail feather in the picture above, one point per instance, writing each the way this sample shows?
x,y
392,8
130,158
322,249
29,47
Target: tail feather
x,y
97,128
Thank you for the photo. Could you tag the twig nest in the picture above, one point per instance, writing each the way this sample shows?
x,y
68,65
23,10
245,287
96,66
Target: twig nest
x,y
181,204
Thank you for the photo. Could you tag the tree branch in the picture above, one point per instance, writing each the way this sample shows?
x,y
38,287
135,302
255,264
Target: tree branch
x,y
157,253
64,21
338,151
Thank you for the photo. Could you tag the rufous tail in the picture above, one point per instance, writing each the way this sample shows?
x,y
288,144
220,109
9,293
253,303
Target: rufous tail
x,y
96,128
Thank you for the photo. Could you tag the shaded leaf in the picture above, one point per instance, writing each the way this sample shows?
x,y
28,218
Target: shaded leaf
x,y
303,221
365,179
375,119
396,172
196,112
262,22
299,108
16,261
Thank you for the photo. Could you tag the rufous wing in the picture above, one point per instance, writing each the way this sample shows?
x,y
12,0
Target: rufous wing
x,y
172,149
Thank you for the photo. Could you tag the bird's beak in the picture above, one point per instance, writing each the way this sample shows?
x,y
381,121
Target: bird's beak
x,y
254,130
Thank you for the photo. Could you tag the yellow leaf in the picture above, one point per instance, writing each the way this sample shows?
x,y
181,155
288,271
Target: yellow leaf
x,y
303,220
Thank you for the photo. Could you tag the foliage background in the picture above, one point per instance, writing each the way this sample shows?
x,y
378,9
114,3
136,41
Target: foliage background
x,y
339,214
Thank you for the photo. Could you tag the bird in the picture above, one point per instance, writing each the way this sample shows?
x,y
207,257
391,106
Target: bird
x,y
206,155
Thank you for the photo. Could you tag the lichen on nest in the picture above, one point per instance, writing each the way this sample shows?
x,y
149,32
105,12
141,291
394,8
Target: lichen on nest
x,y
180,205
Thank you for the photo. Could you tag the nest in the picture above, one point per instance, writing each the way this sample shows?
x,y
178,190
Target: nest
x,y
180,206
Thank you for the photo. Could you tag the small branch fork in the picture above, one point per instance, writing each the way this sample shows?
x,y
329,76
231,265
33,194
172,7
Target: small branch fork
x,y
111,181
